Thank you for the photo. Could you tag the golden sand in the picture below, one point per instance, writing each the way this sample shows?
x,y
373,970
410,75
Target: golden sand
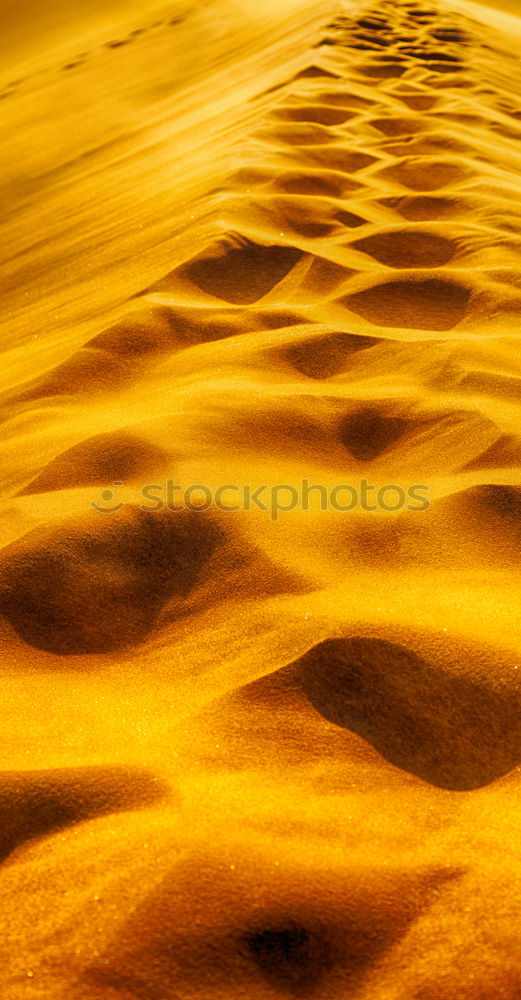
x,y
255,750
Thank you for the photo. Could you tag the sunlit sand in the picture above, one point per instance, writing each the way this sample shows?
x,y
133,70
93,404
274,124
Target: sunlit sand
x,y
260,396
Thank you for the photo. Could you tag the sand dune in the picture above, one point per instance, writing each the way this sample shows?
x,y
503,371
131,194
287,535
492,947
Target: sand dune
x,y
261,503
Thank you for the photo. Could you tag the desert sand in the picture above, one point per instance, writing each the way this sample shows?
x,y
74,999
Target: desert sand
x,y
250,755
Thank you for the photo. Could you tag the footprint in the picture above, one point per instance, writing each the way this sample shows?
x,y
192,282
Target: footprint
x,y
344,99
412,303
450,35
445,67
327,355
373,39
418,103
369,431
435,720
306,134
422,174
308,928
288,955
95,584
345,160
435,143
380,72
373,24
241,272
322,183
422,208
426,15
432,56
408,248
350,219
399,126
317,114
362,47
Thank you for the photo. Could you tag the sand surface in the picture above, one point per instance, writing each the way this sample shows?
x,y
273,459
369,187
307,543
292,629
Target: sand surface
x,y
256,753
